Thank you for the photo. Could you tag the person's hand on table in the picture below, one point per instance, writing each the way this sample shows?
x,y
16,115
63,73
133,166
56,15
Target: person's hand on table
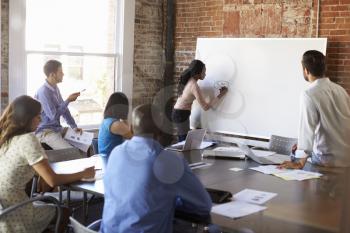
x,y
89,173
293,165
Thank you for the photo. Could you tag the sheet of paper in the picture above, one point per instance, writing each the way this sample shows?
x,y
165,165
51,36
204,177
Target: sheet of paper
x,y
76,165
236,209
199,165
253,196
235,169
268,169
298,175
287,174
263,153
81,141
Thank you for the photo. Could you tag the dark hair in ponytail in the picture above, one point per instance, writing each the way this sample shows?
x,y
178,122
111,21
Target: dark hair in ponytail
x,y
196,67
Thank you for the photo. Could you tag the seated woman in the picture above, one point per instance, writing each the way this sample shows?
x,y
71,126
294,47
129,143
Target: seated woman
x,y
188,91
20,156
114,127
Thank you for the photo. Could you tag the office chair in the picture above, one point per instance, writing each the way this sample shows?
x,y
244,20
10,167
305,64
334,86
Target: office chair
x,y
4,212
281,145
80,228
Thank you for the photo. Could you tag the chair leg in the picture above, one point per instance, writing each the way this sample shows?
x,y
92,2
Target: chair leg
x,y
34,186
85,206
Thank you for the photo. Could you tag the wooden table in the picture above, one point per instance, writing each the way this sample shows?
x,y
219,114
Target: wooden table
x,y
316,205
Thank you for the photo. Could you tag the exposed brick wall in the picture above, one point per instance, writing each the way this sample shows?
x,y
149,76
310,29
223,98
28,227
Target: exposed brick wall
x,y
335,25
266,18
148,53
4,54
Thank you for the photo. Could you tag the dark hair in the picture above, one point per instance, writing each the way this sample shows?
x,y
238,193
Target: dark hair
x,y
51,66
117,106
146,119
314,62
17,118
196,67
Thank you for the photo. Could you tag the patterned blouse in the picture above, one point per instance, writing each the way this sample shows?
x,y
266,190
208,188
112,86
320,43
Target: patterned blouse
x,y
16,160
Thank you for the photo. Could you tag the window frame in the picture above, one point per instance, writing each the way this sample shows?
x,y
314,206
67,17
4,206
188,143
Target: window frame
x,y
123,77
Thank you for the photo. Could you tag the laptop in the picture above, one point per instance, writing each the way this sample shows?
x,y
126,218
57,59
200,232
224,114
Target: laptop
x,y
193,141
268,160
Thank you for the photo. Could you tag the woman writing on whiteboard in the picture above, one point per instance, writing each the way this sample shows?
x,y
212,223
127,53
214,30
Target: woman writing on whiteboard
x,y
188,91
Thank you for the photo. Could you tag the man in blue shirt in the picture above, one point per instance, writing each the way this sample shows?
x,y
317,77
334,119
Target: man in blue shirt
x,y
144,183
53,106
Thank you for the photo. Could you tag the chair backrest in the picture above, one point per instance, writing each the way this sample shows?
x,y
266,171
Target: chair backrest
x,y
80,228
95,145
281,145
63,154
4,212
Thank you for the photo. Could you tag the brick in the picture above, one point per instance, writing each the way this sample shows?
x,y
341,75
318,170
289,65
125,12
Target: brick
x,y
231,23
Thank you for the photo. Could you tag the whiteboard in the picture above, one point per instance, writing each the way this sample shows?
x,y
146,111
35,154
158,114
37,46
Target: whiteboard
x,y
265,79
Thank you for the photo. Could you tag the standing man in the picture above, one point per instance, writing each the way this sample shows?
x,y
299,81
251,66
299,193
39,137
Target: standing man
x,y
324,130
144,183
53,106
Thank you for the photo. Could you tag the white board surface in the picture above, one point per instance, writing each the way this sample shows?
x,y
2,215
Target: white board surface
x,y
264,77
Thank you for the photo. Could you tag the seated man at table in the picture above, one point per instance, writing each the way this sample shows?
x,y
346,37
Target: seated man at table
x,y
144,183
324,129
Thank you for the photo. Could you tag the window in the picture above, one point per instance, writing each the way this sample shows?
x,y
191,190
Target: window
x,y
86,36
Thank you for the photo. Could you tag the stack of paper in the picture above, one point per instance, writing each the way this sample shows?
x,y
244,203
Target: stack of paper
x,y
287,174
245,202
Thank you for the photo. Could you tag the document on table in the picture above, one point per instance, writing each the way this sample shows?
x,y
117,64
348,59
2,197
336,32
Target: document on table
x,y
253,196
298,175
236,209
81,141
268,169
287,174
